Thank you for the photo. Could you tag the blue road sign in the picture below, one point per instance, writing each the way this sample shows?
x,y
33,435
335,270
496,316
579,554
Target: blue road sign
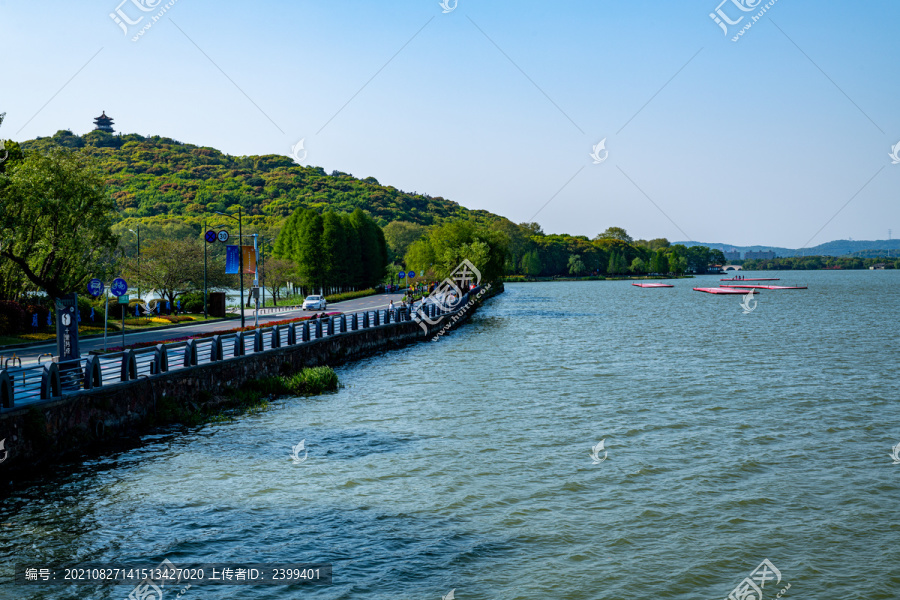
x,y
95,287
401,274
210,236
411,274
119,287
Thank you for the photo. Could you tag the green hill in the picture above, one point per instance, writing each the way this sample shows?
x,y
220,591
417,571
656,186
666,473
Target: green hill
x,y
157,179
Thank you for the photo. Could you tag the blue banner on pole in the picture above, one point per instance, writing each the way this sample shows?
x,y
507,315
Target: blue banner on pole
x,y
232,260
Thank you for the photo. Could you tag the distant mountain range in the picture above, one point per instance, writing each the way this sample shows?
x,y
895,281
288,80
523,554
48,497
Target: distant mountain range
x,y
862,248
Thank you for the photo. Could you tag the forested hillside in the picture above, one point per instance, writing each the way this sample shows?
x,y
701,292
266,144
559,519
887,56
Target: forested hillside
x,y
155,179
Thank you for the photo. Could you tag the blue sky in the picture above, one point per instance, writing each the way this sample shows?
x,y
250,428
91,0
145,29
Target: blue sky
x,y
497,105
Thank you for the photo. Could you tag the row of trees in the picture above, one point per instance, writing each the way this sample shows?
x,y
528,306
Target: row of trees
x,y
334,251
806,263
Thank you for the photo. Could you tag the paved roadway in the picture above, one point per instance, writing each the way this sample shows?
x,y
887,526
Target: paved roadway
x,y
32,353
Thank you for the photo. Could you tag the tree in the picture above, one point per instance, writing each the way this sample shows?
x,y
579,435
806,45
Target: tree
x,y
400,234
576,265
613,266
456,241
55,220
173,268
531,264
276,274
659,263
638,267
615,233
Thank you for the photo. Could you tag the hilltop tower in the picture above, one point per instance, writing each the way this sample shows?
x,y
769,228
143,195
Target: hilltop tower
x,y
104,123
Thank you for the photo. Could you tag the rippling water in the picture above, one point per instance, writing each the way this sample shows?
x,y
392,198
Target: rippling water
x,y
465,463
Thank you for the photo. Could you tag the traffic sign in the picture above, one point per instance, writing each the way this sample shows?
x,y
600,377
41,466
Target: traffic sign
x,y
411,274
119,287
401,274
95,287
210,236
123,299
223,236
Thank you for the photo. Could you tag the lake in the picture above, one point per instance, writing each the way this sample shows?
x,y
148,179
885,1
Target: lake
x,y
465,464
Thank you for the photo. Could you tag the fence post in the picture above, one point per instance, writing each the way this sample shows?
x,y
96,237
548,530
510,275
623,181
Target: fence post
x,y
304,333
51,386
332,325
190,353
239,344
377,317
354,323
6,390
365,323
93,376
215,351
343,323
318,328
292,334
129,366
257,340
276,337
162,359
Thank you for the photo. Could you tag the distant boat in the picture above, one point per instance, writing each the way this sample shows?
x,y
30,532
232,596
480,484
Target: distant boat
x,y
722,291
653,285
751,279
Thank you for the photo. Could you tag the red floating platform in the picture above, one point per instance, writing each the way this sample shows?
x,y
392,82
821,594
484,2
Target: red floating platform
x,y
768,287
722,290
751,279
652,285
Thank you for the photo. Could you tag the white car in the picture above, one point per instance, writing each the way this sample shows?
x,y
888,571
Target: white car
x,y
315,303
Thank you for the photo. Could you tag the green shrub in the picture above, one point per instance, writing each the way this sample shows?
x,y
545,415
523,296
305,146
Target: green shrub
x,y
310,382
350,295
192,302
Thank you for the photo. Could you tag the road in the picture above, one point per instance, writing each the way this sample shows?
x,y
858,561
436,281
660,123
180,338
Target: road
x,y
31,354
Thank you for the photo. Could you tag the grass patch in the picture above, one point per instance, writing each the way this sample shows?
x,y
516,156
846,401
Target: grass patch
x,y
311,382
251,398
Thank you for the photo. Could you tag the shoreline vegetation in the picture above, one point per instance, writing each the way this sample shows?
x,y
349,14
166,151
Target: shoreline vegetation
x,y
250,398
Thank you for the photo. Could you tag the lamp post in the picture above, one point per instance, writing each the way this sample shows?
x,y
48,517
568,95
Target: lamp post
x,y
240,255
138,234
205,244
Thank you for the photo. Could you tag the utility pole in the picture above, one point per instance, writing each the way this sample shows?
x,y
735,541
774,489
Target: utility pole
x,y
138,234
256,279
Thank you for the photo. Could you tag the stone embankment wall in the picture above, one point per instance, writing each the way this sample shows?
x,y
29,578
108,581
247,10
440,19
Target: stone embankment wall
x,y
40,435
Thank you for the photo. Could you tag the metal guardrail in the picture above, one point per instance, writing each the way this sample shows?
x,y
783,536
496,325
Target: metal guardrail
x,y
46,381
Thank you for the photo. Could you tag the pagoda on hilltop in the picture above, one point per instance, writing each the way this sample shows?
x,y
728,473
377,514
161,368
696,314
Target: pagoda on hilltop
x,y
104,123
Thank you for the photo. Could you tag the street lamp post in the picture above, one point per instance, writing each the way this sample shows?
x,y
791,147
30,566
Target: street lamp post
x,y
205,244
240,255
138,234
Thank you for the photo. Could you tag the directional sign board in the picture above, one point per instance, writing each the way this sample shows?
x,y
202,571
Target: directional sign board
x,y
123,299
95,287
411,274
210,236
401,274
119,287
223,236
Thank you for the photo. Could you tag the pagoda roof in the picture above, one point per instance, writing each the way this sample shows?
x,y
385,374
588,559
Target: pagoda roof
x,y
103,117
